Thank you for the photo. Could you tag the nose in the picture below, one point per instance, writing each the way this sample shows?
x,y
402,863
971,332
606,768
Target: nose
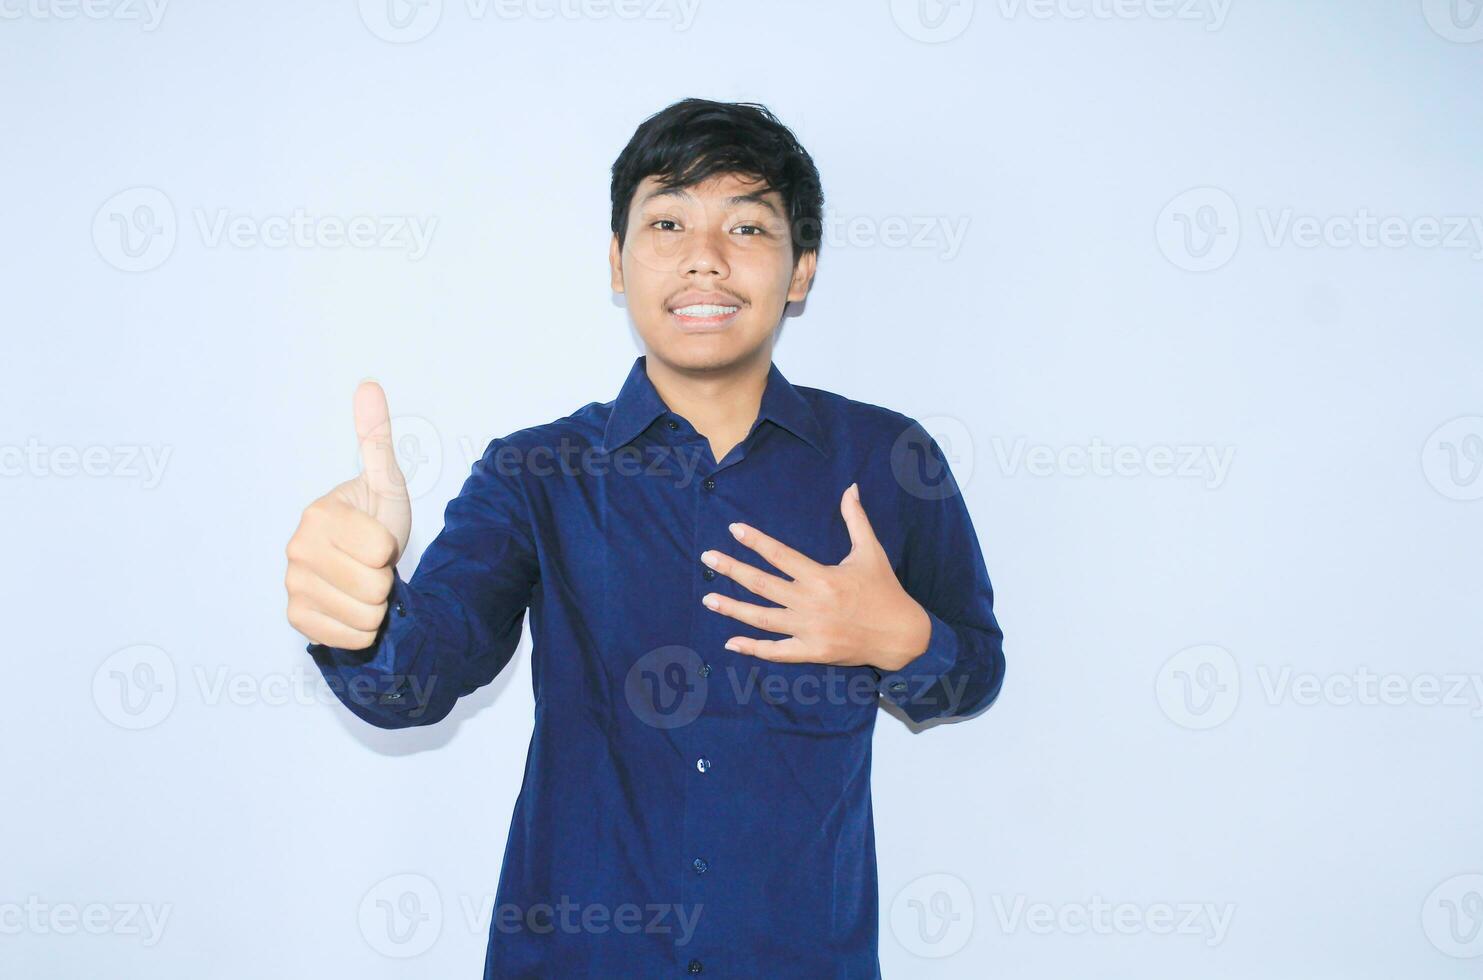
x,y
706,255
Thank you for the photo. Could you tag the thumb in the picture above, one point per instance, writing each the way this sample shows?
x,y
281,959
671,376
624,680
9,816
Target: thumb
x,y
862,535
377,452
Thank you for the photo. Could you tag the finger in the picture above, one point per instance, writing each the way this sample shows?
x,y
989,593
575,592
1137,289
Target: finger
x,y
770,618
343,572
791,562
377,451
322,596
360,535
778,651
749,577
320,628
862,535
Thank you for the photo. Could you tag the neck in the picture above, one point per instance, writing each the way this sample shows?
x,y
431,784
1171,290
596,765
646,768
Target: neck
x,y
721,404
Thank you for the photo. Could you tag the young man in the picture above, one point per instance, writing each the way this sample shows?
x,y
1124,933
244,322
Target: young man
x,y
726,574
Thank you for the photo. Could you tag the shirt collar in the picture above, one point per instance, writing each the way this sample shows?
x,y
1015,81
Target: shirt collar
x,y
638,404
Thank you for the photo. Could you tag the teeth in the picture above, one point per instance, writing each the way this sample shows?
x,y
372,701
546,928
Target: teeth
x,y
706,309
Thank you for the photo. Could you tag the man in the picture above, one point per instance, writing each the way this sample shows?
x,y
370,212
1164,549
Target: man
x,y
726,574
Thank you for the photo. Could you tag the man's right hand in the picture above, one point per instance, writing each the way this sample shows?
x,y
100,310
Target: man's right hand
x,y
340,559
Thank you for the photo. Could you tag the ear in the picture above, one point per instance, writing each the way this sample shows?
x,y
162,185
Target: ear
x,y
803,276
615,264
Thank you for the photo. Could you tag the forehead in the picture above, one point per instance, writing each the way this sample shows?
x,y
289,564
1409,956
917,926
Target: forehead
x,y
718,191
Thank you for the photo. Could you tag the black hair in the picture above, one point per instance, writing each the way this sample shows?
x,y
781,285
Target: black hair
x,y
694,139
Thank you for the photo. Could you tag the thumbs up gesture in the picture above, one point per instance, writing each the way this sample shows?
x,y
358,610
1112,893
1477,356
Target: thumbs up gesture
x,y
341,556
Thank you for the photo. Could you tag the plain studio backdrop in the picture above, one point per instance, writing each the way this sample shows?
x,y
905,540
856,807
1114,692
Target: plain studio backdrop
x,y
1189,290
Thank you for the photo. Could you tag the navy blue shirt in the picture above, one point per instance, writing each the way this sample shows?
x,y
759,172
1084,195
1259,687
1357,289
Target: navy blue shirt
x,y
684,809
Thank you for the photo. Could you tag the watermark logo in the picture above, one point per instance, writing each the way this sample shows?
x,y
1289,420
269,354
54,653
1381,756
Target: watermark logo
x,y
402,916
1452,916
1199,687
135,229
667,687
932,21
135,688
1200,229
1453,459
401,21
933,459
932,916
419,453
1458,21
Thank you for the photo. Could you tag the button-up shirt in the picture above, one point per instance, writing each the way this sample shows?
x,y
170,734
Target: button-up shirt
x,y
684,809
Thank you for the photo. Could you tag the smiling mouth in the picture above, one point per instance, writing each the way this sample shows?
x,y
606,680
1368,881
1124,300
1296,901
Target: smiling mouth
x,y
704,316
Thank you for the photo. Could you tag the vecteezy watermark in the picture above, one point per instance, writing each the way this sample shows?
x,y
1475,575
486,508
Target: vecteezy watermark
x,y
932,459
1210,13
932,21
1207,921
37,917
1206,463
1458,21
403,915
1200,230
932,916
1452,458
668,687
148,13
675,465
136,230
1363,686
406,21
139,687
940,233
1199,687
571,917
1452,916
419,453
120,462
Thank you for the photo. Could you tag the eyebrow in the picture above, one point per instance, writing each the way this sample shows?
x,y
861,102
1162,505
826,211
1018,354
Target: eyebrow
x,y
754,198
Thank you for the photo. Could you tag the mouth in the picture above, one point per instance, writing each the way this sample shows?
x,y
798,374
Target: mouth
x,y
702,317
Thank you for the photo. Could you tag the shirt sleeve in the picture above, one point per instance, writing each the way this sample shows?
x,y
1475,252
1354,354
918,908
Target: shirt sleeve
x,y
455,625
962,669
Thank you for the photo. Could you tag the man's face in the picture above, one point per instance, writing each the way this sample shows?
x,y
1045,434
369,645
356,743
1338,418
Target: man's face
x,y
707,270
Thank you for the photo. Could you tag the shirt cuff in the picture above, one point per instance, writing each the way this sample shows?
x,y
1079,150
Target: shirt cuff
x,y
916,681
369,677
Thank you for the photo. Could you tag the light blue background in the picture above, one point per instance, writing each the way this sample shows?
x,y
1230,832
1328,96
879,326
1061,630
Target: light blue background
x,y
1073,154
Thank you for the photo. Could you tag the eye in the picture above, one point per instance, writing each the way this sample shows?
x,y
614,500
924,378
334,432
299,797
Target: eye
x,y
752,229
665,221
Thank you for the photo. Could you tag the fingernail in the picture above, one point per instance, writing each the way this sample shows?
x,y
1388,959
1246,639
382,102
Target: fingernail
x,y
709,557
732,646
855,490
736,530
711,601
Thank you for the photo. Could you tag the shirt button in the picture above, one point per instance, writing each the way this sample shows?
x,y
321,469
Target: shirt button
x,y
694,966
700,866
401,610
710,483
705,670
703,764
672,423
898,686
708,574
